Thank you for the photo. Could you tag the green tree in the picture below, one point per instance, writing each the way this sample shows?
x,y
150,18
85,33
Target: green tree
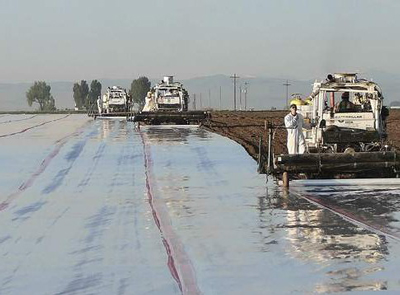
x,y
94,93
81,92
139,89
77,96
40,93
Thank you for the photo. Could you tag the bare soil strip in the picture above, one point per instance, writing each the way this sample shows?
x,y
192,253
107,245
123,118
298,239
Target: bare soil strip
x,y
246,128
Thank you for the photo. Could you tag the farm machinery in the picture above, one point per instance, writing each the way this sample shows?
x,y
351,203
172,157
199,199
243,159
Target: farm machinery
x,y
167,103
340,142
115,101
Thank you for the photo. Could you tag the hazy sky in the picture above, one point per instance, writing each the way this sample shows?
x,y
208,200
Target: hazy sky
x,y
87,39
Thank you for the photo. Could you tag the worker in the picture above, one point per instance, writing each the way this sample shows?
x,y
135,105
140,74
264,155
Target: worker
x,y
294,123
99,104
147,103
345,105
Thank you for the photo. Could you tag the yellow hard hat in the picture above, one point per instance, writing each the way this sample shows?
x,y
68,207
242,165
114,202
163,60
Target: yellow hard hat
x,y
297,101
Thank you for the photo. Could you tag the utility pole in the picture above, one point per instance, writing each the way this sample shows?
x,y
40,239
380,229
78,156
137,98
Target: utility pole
x,y
209,97
234,77
194,101
245,95
220,98
240,96
287,84
201,102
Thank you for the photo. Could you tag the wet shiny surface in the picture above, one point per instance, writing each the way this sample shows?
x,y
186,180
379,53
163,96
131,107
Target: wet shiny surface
x,y
98,207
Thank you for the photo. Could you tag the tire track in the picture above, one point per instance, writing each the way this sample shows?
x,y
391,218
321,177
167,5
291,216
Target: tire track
x,y
95,161
44,164
12,121
32,127
70,157
178,262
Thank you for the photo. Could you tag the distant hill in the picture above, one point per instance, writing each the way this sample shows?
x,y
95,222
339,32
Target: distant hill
x,y
262,93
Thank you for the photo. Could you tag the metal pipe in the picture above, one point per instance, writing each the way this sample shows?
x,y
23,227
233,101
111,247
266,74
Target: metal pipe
x,y
332,99
269,166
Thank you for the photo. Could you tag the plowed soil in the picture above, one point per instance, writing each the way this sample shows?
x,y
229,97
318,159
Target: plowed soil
x,y
247,128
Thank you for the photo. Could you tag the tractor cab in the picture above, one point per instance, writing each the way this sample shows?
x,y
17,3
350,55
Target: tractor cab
x,y
346,135
347,113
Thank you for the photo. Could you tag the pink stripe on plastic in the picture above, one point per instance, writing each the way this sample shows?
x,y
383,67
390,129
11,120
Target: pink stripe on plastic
x,y
59,144
178,263
35,126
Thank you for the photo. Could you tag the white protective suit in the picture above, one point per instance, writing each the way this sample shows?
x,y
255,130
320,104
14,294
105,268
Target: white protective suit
x,y
295,140
150,105
99,102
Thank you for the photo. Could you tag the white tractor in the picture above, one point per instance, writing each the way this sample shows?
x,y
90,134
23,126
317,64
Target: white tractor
x,y
348,133
355,124
115,100
167,103
167,96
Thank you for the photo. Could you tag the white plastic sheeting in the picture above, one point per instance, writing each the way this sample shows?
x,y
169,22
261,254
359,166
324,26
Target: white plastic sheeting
x,y
97,207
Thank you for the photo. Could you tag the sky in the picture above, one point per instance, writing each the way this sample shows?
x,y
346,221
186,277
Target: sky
x,y
70,40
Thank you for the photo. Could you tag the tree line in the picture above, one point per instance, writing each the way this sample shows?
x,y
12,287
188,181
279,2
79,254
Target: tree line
x,y
84,97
